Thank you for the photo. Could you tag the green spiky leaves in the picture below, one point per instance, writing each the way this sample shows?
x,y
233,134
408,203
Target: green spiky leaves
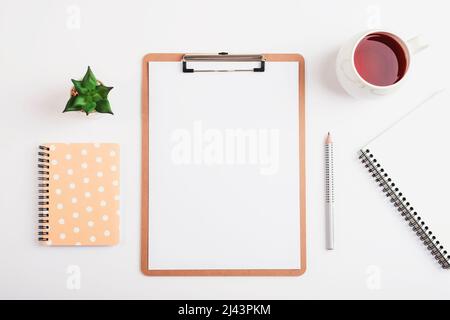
x,y
89,95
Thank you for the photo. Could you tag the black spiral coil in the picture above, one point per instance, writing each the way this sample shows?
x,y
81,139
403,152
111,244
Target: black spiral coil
x,y
405,208
43,190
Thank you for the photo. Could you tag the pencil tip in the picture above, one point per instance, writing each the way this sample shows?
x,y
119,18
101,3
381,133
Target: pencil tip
x,y
328,138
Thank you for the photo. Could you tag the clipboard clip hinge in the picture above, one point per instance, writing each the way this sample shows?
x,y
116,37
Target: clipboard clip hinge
x,y
224,57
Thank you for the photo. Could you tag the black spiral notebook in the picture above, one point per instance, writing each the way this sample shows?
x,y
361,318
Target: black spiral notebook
x,y
410,161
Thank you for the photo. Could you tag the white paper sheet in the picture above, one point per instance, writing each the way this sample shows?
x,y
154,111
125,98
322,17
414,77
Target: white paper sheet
x,y
224,168
415,154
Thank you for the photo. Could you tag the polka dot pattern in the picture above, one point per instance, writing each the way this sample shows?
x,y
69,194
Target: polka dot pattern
x,y
84,188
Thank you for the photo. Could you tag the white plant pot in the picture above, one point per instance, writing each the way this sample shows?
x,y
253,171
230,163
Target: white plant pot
x,y
91,116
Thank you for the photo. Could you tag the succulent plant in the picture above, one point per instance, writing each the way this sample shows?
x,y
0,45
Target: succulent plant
x,y
89,95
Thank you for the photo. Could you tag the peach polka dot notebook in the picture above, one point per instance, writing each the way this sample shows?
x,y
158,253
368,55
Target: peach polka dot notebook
x,y
79,192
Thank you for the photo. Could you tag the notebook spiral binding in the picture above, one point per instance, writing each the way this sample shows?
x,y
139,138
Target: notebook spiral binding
x,y
405,208
43,191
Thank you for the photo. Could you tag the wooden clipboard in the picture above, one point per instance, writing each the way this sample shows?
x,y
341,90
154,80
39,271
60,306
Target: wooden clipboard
x,y
174,57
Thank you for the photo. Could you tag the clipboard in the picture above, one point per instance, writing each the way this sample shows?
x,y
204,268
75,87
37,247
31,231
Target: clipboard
x,y
186,62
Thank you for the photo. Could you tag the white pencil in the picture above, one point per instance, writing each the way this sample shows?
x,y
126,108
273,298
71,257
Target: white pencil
x,y
329,194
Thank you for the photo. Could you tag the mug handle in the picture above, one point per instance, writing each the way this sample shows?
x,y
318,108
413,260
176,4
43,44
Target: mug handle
x,y
417,44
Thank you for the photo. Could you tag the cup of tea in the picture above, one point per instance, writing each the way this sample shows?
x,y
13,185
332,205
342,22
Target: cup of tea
x,y
375,63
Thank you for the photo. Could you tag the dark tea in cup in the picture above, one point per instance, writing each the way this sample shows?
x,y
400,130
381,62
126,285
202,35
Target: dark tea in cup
x,y
381,58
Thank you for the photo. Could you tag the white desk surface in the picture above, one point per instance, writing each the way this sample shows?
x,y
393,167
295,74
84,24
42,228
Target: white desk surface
x,y
45,43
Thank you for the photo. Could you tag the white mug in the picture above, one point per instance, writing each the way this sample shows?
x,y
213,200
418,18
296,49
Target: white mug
x,y
352,81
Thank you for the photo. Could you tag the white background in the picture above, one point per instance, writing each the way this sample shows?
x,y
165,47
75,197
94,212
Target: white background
x,y
41,48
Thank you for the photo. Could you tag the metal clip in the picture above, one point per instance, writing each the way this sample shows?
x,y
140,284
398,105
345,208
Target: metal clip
x,y
224,57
